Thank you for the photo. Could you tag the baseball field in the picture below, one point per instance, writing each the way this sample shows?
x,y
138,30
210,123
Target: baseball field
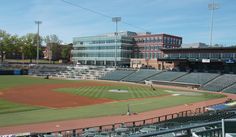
x,y
26,100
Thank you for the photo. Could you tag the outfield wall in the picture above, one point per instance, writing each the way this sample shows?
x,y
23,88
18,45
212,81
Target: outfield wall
x,y
14,72
179,84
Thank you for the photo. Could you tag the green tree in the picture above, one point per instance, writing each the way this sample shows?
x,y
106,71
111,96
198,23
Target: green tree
x,y
29,49
52,39
12,48
65,52
53,46
4,42
22,44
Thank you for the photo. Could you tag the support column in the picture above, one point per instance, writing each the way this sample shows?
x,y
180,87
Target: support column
x,y
105,63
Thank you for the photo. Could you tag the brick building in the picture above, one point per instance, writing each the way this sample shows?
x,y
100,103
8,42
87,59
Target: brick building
x,y
147,49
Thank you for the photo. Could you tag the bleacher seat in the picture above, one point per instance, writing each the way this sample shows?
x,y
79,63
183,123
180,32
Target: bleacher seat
x,y
220,83
167,76
231,89
141,75
197,78
117,75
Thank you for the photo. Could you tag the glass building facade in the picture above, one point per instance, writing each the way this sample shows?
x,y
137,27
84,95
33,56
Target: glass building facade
x,y
103,50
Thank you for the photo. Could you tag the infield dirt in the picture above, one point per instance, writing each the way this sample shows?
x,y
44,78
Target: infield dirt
x,y
43,95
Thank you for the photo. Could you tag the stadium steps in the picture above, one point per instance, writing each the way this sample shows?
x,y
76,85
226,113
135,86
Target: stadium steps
x,y
220,83
209,82
141,75
212,79
179,77
197,78
127,75
154,75
117,75
167,76
151,76
229,87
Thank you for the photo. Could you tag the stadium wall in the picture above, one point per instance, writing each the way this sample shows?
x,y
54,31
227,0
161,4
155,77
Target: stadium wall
x,y
14,72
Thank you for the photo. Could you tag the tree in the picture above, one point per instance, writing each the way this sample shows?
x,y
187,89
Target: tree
x,y
52,39
29,41
53,46
4,42
65,53
12,49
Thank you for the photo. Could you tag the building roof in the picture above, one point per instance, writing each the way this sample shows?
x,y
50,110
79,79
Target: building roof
x,y
151,35
201,49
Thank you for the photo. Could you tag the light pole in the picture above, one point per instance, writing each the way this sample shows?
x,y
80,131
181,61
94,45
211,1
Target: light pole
x,y
22,55
22,51
116,20
213,6
38,23
1,49
50,52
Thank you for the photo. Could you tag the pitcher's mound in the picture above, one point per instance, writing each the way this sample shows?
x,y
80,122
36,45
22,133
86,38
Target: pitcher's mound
x,y
118,90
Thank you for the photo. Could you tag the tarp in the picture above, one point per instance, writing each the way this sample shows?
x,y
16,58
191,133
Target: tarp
x,y
231,104
218,107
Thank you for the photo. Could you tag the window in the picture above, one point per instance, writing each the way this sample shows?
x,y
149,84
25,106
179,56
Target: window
x,y
155,55
215,55
146,55
228,55
204,55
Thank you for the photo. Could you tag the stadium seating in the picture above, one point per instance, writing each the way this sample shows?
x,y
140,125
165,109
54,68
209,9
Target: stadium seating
x,y
117,75
43,70
231,89
140,75
167,76
68,72
197,78
220,83
208,81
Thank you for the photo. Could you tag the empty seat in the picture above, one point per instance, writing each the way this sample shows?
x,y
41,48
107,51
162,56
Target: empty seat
x,y
220,83
141,75
197,78
167,76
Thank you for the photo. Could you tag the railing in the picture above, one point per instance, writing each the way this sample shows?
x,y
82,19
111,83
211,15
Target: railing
x,y
215,132
186,130
196,58
134,125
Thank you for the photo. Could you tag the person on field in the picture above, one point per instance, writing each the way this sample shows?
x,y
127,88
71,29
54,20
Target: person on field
x,y
47,77
152,87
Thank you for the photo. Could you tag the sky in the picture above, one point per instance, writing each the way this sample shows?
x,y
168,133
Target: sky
x,y
189,19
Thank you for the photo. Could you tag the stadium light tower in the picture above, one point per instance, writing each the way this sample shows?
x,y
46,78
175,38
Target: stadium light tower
x,y
38,39
213,6
116,20
1,38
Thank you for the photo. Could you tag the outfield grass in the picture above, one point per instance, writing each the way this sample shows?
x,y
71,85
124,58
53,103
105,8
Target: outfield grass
x,y
14,114
12,81
7,107
114,108
133,91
